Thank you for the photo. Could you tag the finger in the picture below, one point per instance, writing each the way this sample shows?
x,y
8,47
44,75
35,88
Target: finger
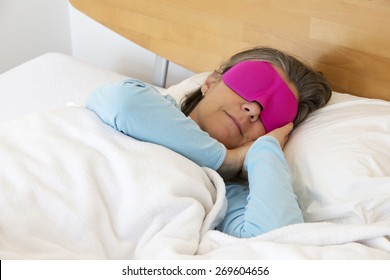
x,y
287,128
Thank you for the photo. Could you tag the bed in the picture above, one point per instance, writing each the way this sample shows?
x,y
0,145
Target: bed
x,y
73,188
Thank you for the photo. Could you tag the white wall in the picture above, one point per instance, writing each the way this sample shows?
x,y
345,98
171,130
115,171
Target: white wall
x,y
96,44
29,28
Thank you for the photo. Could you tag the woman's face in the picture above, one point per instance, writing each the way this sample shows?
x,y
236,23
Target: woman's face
x,y
228,117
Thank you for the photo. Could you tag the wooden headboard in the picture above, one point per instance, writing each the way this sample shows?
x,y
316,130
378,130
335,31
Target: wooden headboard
x,y
347,40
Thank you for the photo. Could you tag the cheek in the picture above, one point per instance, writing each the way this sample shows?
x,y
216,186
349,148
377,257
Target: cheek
x,y
256,131
259,130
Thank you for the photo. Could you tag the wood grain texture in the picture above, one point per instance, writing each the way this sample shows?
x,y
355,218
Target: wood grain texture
x,y
347,40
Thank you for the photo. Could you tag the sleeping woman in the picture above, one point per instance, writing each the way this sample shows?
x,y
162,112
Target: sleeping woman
x,y
236,123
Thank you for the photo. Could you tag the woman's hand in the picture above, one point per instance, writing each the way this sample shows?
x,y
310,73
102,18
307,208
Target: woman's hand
x,y
234,161
281,134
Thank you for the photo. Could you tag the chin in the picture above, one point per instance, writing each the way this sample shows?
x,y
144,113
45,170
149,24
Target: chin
x,y
228,145
225,137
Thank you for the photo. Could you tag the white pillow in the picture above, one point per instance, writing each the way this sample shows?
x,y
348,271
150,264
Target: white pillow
x,y
189,85
340,161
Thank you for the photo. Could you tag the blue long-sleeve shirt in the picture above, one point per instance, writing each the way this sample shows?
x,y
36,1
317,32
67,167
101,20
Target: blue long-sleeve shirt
x,y
263,203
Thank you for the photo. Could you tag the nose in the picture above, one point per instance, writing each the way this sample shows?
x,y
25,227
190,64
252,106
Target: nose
x,y
252,110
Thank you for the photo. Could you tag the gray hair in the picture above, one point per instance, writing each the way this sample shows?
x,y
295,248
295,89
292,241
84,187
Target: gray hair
x,y
314,89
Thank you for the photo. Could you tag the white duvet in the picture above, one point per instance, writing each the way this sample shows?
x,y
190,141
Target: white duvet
x,y
71,187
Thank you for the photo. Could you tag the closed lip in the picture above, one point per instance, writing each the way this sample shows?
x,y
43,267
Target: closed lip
x,y
238,124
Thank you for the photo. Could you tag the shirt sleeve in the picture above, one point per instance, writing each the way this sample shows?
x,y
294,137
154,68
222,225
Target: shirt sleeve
x,y
140,111
269,202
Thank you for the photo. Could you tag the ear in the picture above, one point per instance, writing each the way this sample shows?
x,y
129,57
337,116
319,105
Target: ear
x,y
211,79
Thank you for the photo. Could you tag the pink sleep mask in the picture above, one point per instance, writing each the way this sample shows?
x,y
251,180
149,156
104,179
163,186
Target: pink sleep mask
x,y
259,81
